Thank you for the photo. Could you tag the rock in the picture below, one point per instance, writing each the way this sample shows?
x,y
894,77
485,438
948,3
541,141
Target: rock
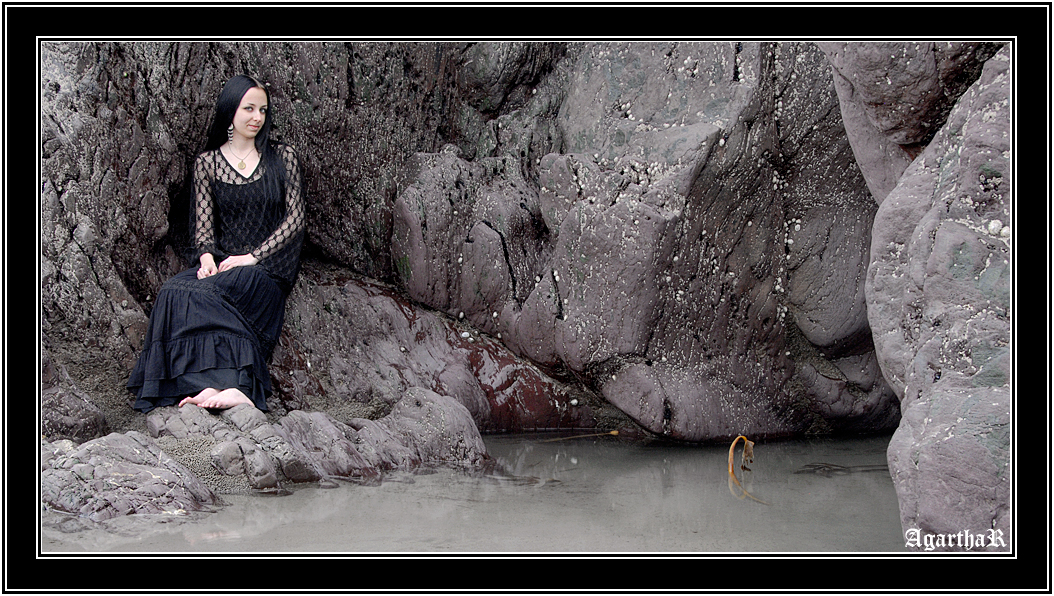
x,y
327,444
693,228
120,474
425,428
227,457
646,170
291,378
66,412
70,415
259,468
367,346
49,450
894,96
240,449
101,212
938,293
495,75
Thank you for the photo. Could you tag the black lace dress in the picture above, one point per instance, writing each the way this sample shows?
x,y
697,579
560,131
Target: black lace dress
x,y
220,331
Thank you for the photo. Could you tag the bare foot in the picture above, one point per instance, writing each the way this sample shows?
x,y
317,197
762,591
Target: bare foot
x,y
207,392
218,400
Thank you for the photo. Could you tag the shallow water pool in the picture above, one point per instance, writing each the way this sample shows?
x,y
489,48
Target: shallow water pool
x,y
572,495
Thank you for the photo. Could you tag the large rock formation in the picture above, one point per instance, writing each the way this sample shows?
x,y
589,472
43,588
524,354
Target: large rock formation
x,y
939,302
693,247
536,235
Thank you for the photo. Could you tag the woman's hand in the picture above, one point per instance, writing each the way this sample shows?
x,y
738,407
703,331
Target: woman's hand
x,y
237,261
208,266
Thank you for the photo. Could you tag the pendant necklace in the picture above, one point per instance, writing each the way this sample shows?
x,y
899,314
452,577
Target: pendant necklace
x,y
241,160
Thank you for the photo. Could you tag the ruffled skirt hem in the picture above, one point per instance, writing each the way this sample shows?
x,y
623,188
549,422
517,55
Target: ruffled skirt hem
x,y
184,367
218,332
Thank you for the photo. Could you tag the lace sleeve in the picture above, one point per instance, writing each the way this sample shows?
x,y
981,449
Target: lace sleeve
x,y
204,214
292,226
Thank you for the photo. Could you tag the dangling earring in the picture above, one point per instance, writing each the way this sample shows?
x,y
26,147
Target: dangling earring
x,y
230,132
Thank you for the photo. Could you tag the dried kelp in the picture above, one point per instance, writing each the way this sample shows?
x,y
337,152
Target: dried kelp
x,y
747,457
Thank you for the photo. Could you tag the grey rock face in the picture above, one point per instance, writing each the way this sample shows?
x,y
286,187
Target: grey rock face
x,y
655,256
66,412
368,346
938,292
119,474
895,96
70,414
424,428
655,156
101,198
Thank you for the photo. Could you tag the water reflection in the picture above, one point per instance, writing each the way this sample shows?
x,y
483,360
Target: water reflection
x,y
594,494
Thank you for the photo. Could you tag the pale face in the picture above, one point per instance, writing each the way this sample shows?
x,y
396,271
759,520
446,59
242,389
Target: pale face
x,y
252,112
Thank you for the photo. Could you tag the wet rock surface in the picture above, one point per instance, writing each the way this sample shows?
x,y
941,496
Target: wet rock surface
x,y
238,450
696,239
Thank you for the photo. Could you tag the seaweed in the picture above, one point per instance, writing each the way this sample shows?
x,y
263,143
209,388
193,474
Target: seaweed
x,y
747,457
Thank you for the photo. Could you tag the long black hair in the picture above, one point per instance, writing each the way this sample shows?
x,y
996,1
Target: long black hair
x,y
226,105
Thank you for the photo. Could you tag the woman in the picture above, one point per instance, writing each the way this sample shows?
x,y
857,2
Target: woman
x,y
213,328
